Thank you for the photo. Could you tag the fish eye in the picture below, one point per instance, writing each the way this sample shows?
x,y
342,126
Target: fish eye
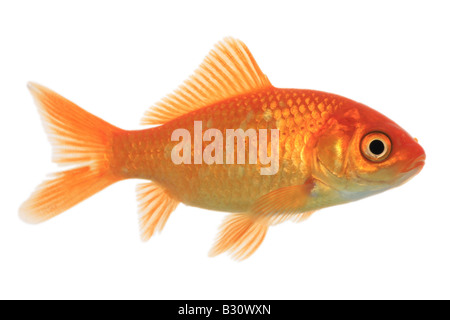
x,y
376,146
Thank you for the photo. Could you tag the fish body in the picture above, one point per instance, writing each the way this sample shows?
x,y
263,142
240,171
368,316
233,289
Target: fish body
x,y
329,150
297,114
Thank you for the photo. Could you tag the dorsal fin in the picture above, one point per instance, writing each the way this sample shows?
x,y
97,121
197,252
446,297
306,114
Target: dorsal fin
x,y
228,70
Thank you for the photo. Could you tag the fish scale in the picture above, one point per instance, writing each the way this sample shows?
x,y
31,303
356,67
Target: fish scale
x,y
208,183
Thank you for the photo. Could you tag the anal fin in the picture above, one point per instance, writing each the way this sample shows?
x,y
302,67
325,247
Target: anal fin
x,y
155,207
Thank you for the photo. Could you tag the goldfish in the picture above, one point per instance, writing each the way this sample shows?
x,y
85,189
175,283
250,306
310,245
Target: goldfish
x,y
325,150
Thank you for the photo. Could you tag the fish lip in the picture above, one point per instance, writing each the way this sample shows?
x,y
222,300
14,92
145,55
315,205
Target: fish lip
x,y
419,162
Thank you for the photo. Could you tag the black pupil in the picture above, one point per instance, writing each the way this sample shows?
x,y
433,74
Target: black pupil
x,y
376,147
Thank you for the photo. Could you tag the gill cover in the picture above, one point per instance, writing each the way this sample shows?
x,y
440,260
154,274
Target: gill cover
x,y
335,142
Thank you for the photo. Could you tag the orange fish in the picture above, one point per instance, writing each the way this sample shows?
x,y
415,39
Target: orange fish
x,y
328,150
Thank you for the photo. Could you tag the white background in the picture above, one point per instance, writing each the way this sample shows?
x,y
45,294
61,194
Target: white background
x,y
116,58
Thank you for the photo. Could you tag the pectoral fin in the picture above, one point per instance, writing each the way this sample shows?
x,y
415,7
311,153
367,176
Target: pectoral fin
x,y
300,217
241,234
284,203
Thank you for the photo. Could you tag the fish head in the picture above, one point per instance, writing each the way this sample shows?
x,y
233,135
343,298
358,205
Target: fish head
x,y
362,152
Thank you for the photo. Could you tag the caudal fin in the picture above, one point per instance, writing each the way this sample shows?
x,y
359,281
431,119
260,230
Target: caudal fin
x,y
80,140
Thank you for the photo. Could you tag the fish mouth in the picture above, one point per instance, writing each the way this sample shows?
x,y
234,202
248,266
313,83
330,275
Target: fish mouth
x,y
418,163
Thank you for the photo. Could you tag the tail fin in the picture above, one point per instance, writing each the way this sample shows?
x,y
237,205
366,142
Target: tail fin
x,y
80,140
